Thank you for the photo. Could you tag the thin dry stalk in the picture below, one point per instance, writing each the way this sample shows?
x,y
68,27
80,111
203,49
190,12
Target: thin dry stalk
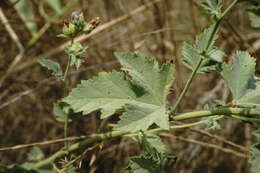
x,y
23,146
207,145
85,37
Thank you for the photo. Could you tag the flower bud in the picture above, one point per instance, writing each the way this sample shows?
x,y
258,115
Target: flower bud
x,y
69,30
77,18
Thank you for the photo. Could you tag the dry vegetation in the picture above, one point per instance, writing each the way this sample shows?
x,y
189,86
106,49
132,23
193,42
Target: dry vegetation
x,y
28,92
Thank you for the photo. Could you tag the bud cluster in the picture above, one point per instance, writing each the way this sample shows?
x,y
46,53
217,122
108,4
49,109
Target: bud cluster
x,y
77,25
75,52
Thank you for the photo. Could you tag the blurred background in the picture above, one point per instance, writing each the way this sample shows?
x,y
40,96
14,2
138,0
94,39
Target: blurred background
x,y
156,28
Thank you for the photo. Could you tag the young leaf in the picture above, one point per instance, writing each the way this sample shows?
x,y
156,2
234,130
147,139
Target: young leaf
x,y
254,16
143,164
193,54
192,58
255,159
202,41
62,109
144,103
213,7
152,143
52,65
239,76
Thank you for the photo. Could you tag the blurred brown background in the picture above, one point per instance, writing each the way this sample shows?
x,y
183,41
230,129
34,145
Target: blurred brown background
x,y
156,29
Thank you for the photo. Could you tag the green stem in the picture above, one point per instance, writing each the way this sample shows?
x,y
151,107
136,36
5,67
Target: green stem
x,y
75,146
244,114
187,86
188,83
66,90
107,136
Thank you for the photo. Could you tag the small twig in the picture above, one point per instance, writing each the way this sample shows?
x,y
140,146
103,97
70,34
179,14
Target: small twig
x,y
208,145
10,30
50,81
23,146
76,159
84,37
31,42
219,138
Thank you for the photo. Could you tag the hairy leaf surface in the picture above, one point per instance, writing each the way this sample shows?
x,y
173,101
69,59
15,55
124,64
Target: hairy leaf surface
x,y
239,76
192,54
53,66
252,97
205,38
192,58
142,93
213,7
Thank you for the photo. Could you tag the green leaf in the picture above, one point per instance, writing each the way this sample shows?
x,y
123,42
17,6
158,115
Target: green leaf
x,y
55,5
213,7
144,103
255,159
239,76
152,143
62,109
143,164
252,97
141,117
26,13
254,16
211,56
35,154
52,65
145,72
202,41
192,58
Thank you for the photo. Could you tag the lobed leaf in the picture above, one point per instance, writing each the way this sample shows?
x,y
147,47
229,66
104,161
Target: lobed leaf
x,y
239,76
202,41
213,7
192,58
142,94
145,72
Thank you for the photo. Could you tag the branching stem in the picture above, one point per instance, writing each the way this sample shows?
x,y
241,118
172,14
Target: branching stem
x,y
193,74
239,113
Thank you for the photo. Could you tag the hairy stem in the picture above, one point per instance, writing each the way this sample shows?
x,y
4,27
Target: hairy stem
x,y
245,114
187,86
188,83
66,90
